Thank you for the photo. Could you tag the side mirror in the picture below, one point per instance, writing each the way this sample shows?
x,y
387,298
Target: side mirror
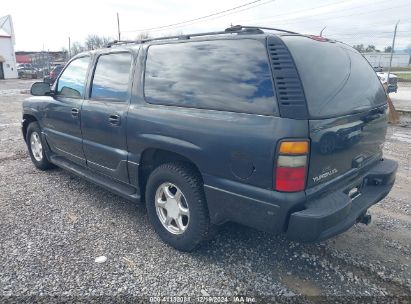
x,y
40,89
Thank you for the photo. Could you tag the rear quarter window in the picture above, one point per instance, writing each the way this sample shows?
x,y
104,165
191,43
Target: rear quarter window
x,y
229,75
337,80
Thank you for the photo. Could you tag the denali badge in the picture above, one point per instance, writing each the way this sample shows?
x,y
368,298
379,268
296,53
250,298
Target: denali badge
x,y
324,175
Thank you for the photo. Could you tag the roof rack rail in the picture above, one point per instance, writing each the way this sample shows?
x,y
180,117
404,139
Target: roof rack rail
x,y
244,27
119,42
184,36
235,29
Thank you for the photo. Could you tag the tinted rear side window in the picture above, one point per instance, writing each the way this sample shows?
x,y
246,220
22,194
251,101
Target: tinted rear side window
x,y
230,75
337,80
111,77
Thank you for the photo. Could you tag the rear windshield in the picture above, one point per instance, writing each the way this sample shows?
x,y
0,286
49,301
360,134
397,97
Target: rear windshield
x,y
337,80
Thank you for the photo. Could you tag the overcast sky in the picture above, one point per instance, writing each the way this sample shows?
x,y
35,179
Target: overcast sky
x,y
48,24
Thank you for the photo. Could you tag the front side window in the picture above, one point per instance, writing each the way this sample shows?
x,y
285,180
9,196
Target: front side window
x,y
73,80
111,77
228,75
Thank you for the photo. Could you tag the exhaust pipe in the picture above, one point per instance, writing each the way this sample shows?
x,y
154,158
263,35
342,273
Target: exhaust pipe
x,y
364,219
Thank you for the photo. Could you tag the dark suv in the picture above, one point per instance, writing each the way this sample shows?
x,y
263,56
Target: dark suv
x,y
276,130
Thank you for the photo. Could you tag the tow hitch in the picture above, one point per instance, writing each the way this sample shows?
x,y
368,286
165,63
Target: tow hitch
x,y
364,219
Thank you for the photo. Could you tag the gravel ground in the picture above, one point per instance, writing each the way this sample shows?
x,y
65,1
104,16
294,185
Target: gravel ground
x,y
54,225
402,99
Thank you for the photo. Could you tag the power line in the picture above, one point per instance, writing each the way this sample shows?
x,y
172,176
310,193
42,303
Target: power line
x,y
238,11
383,25
298,20
196,19
368,33
374,35
250,5
216,17
294,12
355,14
299,11
5,20
356,33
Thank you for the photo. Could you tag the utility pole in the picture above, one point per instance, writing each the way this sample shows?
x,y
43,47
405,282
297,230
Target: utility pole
x,y
392,114
69,49
392,52
118,27
43,59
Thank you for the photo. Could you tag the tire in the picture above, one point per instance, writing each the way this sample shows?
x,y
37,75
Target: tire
x,y
35,145
196,225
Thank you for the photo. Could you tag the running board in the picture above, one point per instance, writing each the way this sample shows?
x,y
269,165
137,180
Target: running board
x,y
124,190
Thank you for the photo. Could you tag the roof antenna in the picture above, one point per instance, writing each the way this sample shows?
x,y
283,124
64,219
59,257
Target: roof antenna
x,y
321,33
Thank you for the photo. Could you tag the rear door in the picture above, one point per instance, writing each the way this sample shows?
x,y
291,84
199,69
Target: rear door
x,y
347,108
104,115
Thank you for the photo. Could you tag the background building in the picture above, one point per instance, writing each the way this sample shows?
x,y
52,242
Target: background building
x,y
42,59
8,66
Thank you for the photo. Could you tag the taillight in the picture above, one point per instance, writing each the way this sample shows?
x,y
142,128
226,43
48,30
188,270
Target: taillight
x,y
291,166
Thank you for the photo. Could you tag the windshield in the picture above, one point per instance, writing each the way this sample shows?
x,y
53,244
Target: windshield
x,y
337,80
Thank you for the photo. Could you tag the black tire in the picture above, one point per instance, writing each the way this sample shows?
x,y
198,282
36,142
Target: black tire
x,y
44,163
188,181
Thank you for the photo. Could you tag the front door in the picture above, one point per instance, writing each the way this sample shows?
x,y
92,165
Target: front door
x,y
62,115
104,115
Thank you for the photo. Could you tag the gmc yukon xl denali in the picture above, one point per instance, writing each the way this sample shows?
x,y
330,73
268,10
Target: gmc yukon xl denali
x,y
272,129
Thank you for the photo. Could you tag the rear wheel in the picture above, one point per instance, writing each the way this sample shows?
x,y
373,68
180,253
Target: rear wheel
x,y
36,146
176,206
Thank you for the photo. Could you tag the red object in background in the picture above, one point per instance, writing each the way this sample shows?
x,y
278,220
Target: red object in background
x,y
318,38
23,59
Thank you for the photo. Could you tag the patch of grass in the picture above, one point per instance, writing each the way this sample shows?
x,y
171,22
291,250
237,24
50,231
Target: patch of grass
x,y
399,69
404,77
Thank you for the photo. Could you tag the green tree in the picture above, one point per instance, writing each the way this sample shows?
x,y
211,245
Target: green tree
x,y
359,47
387,49
370,48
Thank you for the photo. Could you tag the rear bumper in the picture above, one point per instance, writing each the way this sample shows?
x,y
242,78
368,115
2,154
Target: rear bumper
x,y
302,220
336,212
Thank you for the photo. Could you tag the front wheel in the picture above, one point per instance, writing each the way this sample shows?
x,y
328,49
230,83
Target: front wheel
x,y
36,146
176,206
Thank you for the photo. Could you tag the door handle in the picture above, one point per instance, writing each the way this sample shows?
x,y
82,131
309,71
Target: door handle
x,y
74,112
114,119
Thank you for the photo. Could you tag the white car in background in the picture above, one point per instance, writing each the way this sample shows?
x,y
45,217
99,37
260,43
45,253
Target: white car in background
x,y
392,83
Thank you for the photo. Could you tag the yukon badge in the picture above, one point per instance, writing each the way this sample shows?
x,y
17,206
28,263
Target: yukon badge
x,y
326,174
